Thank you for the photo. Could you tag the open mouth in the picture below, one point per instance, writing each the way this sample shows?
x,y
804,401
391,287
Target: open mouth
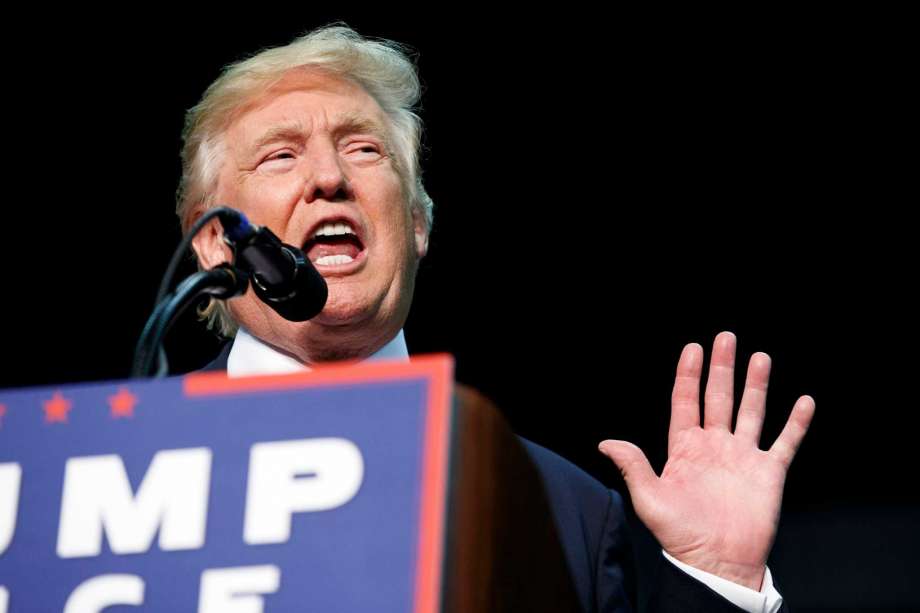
x,y
334,243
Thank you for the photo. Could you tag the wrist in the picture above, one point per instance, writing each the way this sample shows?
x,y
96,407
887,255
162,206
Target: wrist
x,y
746,575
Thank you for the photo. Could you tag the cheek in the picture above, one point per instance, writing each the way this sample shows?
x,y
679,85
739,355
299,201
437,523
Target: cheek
x,y
398,236
395,220
268,202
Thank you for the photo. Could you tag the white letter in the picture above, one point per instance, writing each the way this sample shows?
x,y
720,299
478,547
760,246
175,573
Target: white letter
x,y
103,591
10,478
172,497
232,590
4,599
290,476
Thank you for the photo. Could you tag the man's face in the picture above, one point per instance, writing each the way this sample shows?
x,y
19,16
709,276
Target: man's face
x,y
311,161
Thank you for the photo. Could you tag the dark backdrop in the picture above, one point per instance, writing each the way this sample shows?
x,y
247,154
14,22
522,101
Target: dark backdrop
x,y
606,191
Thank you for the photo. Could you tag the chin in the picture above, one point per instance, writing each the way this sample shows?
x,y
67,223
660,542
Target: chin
x,y
343,312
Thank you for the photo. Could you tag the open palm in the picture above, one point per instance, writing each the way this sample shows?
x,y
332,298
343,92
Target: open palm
x,y
716,504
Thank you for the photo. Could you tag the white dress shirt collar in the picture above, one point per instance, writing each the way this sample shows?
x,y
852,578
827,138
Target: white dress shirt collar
x,y
251,356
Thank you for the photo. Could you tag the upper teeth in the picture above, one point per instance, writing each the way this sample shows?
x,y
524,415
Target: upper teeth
x,y
333,229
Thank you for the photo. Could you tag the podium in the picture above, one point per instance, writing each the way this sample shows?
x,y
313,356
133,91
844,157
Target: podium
x,y
378,486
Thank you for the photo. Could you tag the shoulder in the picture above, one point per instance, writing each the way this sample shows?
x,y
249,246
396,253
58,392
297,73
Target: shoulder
x,y
220,362
591,523
569,485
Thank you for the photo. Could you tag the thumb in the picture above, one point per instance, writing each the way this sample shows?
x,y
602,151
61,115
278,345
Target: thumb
x,y
636,470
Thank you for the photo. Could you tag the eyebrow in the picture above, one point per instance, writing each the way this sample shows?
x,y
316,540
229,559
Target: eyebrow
x,y
347,123
355,123
283,132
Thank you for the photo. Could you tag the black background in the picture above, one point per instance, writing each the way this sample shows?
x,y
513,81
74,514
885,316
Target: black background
x,y
606,190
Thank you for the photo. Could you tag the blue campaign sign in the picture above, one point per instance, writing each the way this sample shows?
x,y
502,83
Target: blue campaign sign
x,y
322,491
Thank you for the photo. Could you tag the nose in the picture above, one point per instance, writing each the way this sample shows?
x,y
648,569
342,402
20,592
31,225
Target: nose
x,y
325,177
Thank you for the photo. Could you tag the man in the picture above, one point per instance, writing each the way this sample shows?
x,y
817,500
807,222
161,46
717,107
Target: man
x,y
318,141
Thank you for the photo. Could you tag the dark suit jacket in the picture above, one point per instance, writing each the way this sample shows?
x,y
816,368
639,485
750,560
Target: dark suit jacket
x,y
591,523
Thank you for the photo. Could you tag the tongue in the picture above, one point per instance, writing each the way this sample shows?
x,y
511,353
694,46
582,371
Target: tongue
x,y
332,247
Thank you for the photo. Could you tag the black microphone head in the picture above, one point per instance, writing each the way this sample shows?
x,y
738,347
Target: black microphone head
x,y
299,296
236,226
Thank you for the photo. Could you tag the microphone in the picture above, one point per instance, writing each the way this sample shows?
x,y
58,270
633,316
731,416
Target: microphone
x,y
281,275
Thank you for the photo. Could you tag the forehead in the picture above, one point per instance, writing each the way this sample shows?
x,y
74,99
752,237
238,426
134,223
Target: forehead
x,y
307,96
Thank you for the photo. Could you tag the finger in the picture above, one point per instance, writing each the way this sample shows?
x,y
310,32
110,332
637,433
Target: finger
x,y
685,398
719,386
754,400
794,431
634,466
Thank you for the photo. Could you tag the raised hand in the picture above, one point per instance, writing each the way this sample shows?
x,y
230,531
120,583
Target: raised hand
x,y
716,504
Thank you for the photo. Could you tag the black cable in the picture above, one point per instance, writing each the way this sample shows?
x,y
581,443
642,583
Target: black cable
x,y
221,282
140,349
166,282
183,247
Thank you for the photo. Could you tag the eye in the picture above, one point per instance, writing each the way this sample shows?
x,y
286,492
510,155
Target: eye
x,y
364,150
279,160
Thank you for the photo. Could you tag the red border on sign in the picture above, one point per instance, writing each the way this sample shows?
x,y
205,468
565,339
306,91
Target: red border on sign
x,y
438,370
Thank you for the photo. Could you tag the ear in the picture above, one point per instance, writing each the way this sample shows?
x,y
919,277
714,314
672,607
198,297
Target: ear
x,y
209,244
421,233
